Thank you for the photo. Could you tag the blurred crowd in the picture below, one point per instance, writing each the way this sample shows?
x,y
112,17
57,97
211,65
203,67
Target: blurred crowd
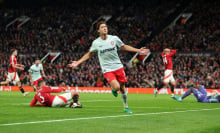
x,y
200,33
66,29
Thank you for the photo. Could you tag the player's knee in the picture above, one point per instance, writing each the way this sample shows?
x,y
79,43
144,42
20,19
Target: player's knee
x,y
116,87
19,84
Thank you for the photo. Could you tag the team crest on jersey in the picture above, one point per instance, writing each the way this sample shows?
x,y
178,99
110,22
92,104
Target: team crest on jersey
x,y
112,43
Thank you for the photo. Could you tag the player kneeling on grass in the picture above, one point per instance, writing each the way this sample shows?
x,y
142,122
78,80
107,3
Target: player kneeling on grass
x,y
46,99
201,95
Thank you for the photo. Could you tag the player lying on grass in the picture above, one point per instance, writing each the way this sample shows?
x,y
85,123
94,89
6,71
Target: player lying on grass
x,y
201,95
44,97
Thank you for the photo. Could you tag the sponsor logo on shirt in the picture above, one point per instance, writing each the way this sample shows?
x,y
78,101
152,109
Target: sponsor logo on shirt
x,y
107,50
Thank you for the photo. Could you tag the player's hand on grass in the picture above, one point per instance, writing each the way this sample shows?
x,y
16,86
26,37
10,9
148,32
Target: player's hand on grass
x,y
73,64
143,50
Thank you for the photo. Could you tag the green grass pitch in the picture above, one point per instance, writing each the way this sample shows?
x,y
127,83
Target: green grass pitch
x,y
103,113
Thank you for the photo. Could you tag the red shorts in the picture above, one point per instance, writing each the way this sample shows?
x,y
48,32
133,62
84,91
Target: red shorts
x,y
117,74
36,82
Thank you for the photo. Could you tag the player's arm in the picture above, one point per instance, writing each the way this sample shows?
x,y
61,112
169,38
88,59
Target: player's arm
x,y
42,70
142,50
17,66
81,60
172,52
43,74
30,77
34,103
20,65
31,80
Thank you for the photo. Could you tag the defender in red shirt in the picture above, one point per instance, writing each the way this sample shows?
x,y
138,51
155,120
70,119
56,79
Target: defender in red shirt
x,y
168,74
12,72
44,97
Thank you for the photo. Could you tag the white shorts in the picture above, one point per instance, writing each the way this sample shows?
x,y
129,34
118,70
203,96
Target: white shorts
x,y
13,77
168,76
62,100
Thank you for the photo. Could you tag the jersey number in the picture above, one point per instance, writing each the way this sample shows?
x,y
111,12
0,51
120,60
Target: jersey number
x,y
165,60
41,97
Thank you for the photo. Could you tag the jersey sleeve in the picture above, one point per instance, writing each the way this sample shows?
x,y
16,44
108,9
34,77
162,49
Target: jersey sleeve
x,y
118,41
33,102
47,89
41,67
93,48
172,52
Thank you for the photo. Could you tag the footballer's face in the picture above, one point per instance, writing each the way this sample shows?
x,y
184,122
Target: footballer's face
x,y
43,84
103,29
15,53
37,62
166,51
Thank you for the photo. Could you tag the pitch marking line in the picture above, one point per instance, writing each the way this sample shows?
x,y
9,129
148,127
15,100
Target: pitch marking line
x,y
103,117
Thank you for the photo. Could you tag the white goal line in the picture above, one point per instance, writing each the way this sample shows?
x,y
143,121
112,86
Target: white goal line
x,y
103,117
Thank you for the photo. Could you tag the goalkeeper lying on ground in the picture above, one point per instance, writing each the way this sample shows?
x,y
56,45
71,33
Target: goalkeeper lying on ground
x,y
201,95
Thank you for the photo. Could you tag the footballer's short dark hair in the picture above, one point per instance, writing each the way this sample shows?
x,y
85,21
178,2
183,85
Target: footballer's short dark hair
x,y
99,23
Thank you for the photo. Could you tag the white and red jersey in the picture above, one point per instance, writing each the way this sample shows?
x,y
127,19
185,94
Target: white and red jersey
x,y
13,60
43,96
167,59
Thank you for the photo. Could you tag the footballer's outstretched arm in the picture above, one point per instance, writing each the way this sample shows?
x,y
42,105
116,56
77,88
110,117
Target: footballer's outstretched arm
x,y
142,50
81,60
43,74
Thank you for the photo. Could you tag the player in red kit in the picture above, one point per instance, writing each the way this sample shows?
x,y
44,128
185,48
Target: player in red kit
x,y
44,97
168,74
12,72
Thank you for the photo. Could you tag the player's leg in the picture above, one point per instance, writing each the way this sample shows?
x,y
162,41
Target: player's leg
x,y
121,77
21,89
172,86
202,90
186,94
160,86
124,97
123,94
6,82
165,82
111,78
17,81
198,95
115,87
67,100
35,84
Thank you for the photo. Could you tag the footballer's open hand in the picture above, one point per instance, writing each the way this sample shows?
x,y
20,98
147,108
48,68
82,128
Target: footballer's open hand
x,y
73,64
143,50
